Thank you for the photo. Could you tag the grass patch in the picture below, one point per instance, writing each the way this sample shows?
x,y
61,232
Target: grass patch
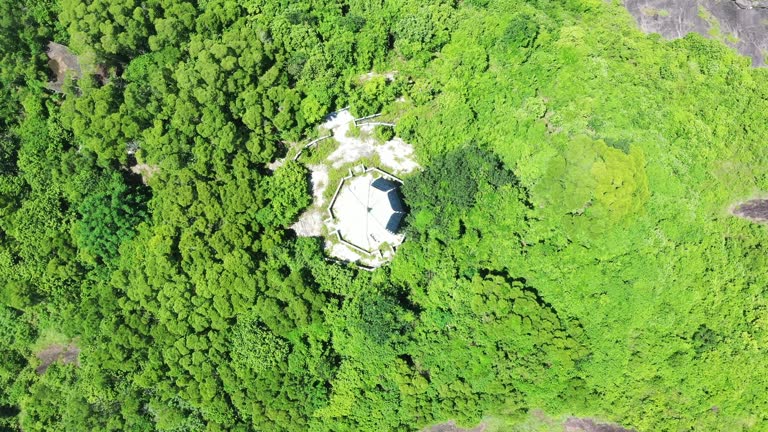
x,y
319,152
354,131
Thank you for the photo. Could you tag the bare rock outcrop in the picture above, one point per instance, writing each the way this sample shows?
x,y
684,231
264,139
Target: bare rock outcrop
x,y
575,424
450,426
755,210
62,62
741,24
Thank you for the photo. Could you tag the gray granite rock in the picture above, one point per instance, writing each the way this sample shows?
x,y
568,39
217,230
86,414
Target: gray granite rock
x,y
754,4
741,24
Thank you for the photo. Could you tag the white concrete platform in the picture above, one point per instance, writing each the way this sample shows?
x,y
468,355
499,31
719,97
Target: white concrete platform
x,y
368,211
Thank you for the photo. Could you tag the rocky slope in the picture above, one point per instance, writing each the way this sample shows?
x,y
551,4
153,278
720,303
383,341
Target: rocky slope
x,y
742,24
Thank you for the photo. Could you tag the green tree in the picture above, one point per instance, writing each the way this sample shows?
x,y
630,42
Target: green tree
x,y
108,219
287,194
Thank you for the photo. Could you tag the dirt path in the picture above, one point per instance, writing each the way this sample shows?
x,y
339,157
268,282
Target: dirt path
x,y
66,354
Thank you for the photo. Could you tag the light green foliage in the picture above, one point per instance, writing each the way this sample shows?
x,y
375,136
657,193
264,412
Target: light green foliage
x,y
319,152
354,131
371,96
287,193
591,186
424,30
621,178
384,133
256,348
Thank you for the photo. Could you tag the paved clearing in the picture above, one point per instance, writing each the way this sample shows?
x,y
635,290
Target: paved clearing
x,y
368,210
342,252
396,155
350,149
65,354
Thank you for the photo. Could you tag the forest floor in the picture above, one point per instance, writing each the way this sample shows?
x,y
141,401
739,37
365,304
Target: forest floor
x,y
66,354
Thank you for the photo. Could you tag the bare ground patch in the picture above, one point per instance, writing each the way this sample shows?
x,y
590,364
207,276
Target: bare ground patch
x,y
575,424
755,210
64,354
389,76
62,62
145,171
395,155
450,426
310,224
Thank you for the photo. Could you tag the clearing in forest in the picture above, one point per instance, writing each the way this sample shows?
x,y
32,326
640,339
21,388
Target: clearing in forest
x,y
350,144
56,352
755,210
366,212
62,62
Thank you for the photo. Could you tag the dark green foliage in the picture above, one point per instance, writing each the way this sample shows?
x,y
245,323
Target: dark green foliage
x,y
384,133
381,318
449,186
18,335
288,194
704,339
521,31
108,219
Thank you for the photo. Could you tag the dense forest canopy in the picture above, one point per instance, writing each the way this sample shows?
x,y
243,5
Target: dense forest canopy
x,y
569,246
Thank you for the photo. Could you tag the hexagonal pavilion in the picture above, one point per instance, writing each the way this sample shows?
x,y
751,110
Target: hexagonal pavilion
x,y
367,211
